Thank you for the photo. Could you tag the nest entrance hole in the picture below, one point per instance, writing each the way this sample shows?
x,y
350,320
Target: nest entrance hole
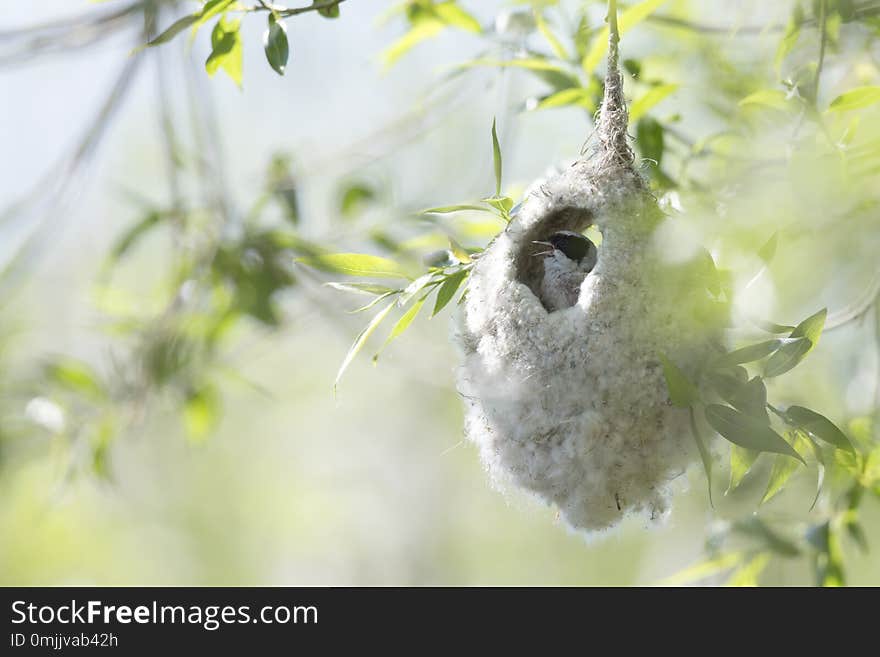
x,y
529,260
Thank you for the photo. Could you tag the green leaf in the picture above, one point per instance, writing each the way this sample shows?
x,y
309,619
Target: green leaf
x,y
449,209
454,16
555,44
748,432
772,98
354,197
705,456
855,99
402,324
627,20
327,12
787,44
805,336
422,31
749,354
226,50
200,413
275,45
741,461
176,28
448,289
652,97
751,398
372,303
459,252
771,327
682,392
501,203
819,426
747,574
705,569
784,467
757,528
355,264
811,327
787,357
571,96
361,339
130,237
650,139
496,158
766,252
370,289
76,376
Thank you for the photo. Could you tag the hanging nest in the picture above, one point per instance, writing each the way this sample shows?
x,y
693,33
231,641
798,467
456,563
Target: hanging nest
x,y
571,403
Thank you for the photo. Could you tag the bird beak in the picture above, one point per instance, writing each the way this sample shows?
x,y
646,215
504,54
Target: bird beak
x,y
544,253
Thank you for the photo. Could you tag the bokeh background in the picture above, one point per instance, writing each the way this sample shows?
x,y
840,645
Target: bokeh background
x,y
375,484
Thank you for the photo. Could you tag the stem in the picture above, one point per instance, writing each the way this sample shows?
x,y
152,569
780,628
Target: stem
x,y
613,32
284,13
823,27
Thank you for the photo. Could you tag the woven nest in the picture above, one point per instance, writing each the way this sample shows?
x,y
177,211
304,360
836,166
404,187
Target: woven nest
x,y
572,405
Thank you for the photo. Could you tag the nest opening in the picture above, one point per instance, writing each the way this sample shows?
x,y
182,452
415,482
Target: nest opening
x,y
528,258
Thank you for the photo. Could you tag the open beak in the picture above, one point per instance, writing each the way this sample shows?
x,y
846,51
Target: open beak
x,y
543,253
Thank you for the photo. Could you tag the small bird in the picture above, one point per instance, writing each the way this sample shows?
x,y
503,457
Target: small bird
x,y
568,260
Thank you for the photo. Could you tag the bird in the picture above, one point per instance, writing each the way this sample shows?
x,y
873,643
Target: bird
x,y
568,259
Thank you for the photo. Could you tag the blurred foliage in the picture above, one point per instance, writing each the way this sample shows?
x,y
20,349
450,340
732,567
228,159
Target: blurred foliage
x,y
786,154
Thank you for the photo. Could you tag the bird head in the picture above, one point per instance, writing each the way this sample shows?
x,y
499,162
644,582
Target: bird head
x,y
573,246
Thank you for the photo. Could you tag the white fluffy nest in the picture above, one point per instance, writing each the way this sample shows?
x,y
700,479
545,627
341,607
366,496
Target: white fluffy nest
x,y
572,405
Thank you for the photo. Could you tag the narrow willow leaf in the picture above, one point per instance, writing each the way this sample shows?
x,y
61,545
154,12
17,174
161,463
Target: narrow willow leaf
x,y
787,44
805,337
751,399
370,289
705,569
176,28
771,327
654,96
529,63
275,45
402,324
819,426
459,252
775,542
133,235
784,467
496,158
571,96
787,357
747,575
448,289
371,303
820,467
749,354
454,16
741,461
651,140
771,98
554,42
855,99
705,456
331,11
501,203
748,432
768,250
811,327
682,392
76,376
420,32
355,264
627,20
359,342
449,209
200,414
226,50
415,287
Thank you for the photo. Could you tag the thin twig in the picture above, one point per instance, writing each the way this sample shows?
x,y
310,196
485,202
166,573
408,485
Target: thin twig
x,y
283,12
